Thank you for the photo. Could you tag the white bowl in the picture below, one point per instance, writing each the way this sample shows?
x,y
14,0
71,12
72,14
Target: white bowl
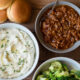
x,y
39,33
13,25
72,64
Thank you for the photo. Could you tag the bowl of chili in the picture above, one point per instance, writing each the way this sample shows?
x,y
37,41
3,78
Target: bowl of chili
x,y
60,31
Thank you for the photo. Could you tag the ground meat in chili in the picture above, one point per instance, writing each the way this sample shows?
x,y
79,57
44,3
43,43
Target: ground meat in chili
x,y
61,29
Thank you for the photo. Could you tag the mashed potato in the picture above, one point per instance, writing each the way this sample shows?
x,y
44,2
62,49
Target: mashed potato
x,y
17,53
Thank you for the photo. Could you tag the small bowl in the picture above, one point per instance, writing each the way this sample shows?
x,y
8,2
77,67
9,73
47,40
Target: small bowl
x,y
72,64
39,33
13,25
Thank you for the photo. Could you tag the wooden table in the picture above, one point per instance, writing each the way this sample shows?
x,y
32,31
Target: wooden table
x,y
44,53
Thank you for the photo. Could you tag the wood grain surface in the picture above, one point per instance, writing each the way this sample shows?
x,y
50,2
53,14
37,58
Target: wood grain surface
x,y
44,53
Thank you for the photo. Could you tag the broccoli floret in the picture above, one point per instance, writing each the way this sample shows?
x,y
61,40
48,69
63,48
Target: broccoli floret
x,y
52,77
49,75
65,68
72,78
46,73
62,73
41,77
66,78
77,74
55,66
62,78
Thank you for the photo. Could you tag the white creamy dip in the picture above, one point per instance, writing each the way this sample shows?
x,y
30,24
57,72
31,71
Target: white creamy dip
x,y
17,53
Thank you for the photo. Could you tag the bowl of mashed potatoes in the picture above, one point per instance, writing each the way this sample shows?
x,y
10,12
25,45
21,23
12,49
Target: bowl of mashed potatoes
x,y
19,52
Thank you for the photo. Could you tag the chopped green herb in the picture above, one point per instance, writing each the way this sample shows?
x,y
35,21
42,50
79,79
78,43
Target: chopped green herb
x,y
17,37
3,39
25,51
5,65
16,50
3,69
16,70
20,61
28,45
7,53
11,64
6,44
13,52
7,40
2,46
7,32
32,47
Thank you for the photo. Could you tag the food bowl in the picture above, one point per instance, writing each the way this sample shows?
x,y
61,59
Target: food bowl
x,y
39,33
72,64
13,25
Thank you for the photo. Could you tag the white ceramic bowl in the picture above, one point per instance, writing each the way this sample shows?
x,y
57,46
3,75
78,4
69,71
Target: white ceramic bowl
x,y
72,64
39,33
13,25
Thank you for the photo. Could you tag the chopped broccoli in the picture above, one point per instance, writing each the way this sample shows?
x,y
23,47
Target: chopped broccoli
x,y
66,78
65,68
41,77
55,66
59,71
62,73
77,74
49,75
46,73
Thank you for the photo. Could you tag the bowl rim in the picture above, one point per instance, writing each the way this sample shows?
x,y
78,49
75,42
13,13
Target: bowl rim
x,y
76,8
53,59
21,27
